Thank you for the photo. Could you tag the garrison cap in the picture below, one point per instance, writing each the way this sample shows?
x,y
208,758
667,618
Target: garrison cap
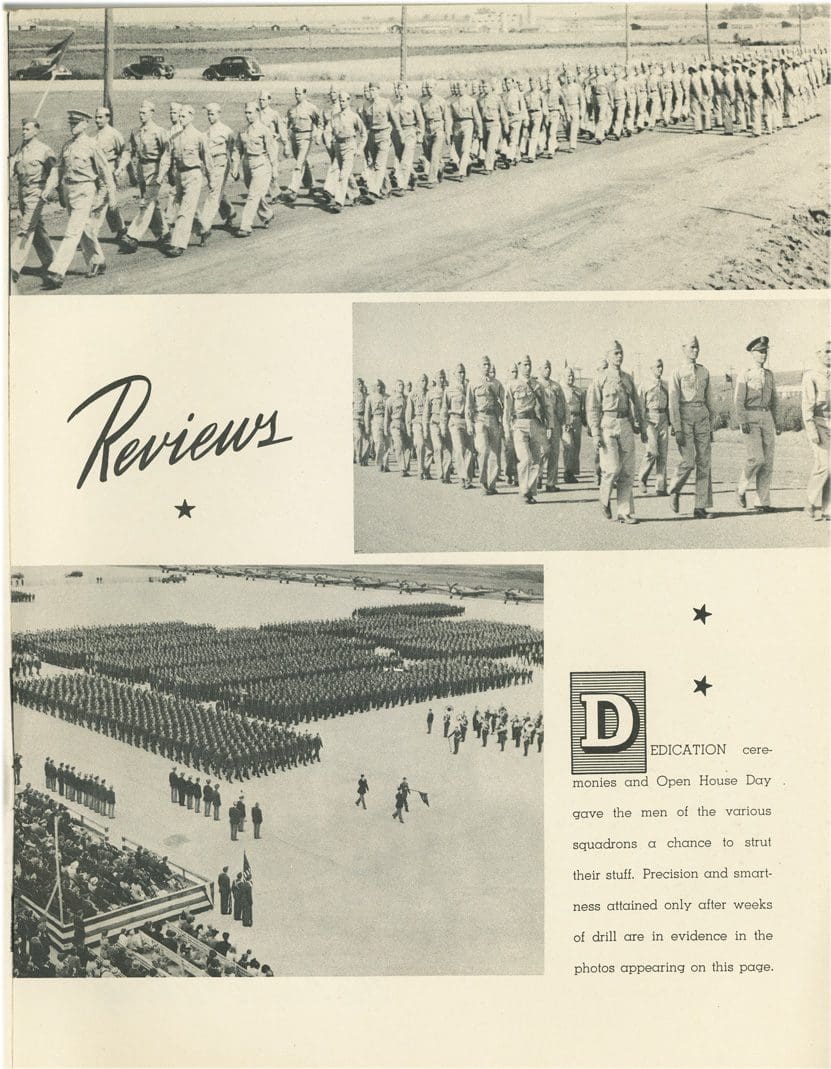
x,y
759,345
76,115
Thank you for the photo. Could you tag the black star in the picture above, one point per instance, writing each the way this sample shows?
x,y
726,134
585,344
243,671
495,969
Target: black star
x,y
702,686
184,509
701,614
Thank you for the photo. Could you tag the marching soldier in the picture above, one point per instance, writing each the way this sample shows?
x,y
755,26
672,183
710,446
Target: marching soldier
x,y
494,125
359,439
691,415
409,133
524,421
756,401
344,136
438,129
188,157
454,416
575,109
117,154
148,148
422,447
398,421
380,121
654,399
467,122
555,417
81,174
484,416
219,140
816,415
304,126
435,425
615,416
273,121
534,104
256,152
517,117
31,166
575,402
375,423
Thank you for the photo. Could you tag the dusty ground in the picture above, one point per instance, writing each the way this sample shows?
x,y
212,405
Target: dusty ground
x,y
396,515
663,210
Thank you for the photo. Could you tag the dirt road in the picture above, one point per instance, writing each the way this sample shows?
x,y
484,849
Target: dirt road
x,y
663,210
394,515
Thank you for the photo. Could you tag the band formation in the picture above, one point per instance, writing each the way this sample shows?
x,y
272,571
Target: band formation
x,y
380,146
516,430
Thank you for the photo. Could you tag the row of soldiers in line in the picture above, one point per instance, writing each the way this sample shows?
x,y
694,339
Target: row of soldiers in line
x,y
523,730
519,427
479,125
80,787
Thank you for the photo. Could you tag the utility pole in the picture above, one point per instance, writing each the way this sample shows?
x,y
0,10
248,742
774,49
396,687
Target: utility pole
x,y
626,16
707,27
109,59
799,11
403,64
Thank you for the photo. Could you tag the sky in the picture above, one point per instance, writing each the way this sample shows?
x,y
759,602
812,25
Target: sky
x,y
400,340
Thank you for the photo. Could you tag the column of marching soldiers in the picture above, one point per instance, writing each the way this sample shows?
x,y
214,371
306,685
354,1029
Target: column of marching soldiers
x,y
480,126
515,430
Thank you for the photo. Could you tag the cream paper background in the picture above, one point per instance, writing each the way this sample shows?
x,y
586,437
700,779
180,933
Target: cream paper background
x,y
765,650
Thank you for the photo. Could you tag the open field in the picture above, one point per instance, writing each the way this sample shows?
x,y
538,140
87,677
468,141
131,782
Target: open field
x,y
393,515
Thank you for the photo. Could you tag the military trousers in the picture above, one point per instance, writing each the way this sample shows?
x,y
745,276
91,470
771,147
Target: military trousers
x,y
617,463
716,109
552,125
669,111
30,231
405,147
761,447
258,178
462,448
379,439
642,119
188,190
697,110
818,480
696,454
551,455
339,181
442,448
487,437
378,145
535,135
359,442
657,442
572,440
769,109
573,115
401,444
528,436
301,172
620,115
756,116
462,140
80,198
422,448
491,136
727,114
656,109
215,201
512,137
739,114
149,215
434,152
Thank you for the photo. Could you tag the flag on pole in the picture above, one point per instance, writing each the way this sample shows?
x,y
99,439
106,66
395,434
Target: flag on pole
x,y
423,796
246,869
56,53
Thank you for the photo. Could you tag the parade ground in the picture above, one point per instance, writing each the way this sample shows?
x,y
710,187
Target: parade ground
x,y
660,210
456,889
397,515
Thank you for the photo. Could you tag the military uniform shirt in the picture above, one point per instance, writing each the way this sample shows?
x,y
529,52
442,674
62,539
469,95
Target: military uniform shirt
x,y
111,144
358,405
148,145
32,164
378,116
483,399
408,112
435,112
527,402
303,118
398,411
655,400
689,386
257,142
755,392
271,118
816,395
434,404
188,149
346,125
612,394
82,161
455,397
219,140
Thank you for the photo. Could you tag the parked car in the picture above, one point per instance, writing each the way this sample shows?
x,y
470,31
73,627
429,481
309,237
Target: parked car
x,y
149,67
239,68
40,70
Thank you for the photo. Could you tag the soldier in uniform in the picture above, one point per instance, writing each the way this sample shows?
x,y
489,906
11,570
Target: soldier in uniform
x,y
575,109
31,165
398,422
575,402
691,415
256,153
223,882
422,447
363,787
535,105
359,439
82,173
755,93
438,129
524,421
117,154
467,123
380,121
410,133
273,121
454,404
555,418
148,148
517,117
756,411
344,135
816,419
375,424
698,100
494,125
304,126
654,399
219,140
727,98
435,425
188,157
615,417
484,417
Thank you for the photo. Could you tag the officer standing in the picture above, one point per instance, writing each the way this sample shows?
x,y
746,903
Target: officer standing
x,y
524,421
756,403
654,399
219,139
82,173
484,418
256,152
31,165
224,884
575,402
615,416
304,126
691,415
148,148
816,414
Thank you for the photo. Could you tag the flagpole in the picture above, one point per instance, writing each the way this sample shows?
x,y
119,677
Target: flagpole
x,y
45,95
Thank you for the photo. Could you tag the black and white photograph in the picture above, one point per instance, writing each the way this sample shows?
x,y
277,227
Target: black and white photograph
x,y
421,147
268,771
627,424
